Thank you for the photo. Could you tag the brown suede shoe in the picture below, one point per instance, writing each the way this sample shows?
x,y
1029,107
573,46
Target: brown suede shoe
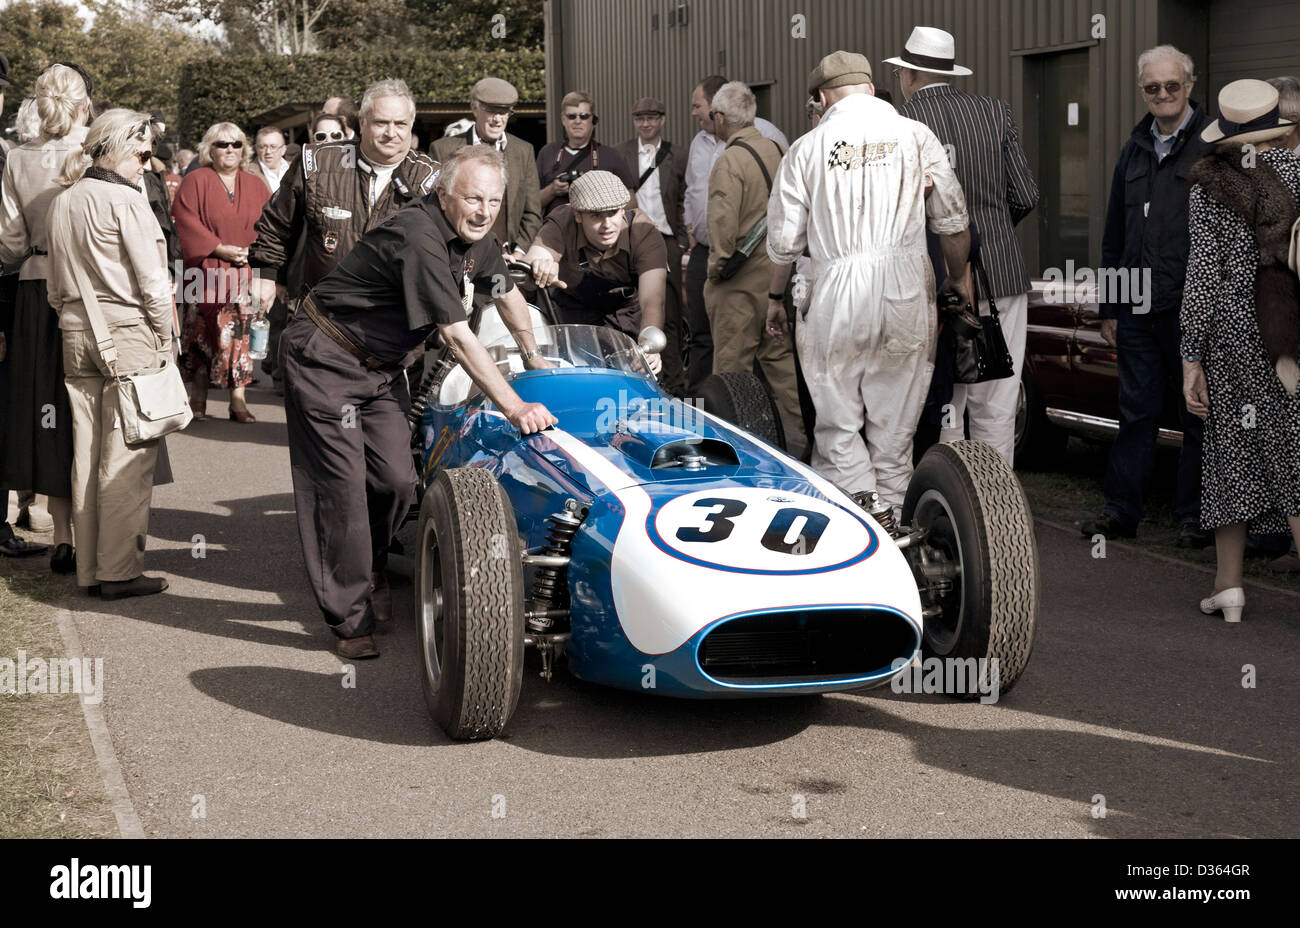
x,y
357,648
381,597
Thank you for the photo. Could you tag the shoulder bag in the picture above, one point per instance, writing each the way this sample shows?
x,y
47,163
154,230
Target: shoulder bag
x,y
980,351
151,403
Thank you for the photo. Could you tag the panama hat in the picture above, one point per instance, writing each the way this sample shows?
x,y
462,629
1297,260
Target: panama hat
x,y
1248,112
932,50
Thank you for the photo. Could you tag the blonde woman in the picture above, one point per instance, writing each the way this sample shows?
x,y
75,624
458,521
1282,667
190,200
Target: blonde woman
x,y
214,211
38,449
103,225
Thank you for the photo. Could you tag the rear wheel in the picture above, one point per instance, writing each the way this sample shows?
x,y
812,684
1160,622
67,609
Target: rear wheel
x,y
743,399
978,566
469,604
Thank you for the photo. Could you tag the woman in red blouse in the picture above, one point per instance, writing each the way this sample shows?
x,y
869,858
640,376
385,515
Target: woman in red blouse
x,y
214,211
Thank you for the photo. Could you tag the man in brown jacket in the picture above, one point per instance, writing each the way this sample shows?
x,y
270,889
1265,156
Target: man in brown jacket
x,y
492,101
660,168
739,188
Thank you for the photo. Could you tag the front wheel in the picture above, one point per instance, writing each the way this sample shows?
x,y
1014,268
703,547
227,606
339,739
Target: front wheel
x,y
469,604
978,566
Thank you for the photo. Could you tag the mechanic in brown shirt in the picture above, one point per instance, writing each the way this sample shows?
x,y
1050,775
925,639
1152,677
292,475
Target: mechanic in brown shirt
x,y
608,264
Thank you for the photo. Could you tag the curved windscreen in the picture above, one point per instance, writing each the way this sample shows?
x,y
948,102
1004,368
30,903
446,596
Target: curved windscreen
x,y
573,346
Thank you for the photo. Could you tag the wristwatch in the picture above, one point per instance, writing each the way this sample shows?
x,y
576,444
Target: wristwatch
x,y
528,356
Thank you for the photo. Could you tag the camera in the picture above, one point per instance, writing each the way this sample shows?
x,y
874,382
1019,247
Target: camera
x,y
569,176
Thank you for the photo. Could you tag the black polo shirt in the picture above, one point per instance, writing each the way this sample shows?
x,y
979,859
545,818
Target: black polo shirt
x,y
404,277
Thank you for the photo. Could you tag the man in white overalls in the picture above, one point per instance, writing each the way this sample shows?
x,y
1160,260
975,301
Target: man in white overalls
x,y
856,192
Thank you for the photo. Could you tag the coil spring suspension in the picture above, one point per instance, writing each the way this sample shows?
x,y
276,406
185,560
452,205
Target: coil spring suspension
x,y
429,388
550,584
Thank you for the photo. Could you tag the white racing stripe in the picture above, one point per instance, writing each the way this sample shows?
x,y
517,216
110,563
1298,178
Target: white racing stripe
x,y
662,601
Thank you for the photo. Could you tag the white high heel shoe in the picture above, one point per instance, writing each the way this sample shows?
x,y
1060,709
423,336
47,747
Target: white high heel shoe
x,y
1231,602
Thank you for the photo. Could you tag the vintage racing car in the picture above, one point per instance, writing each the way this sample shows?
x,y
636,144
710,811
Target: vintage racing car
x,y
656,546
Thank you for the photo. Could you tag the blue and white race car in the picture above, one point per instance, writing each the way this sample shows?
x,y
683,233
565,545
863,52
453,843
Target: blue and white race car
x,y
658,546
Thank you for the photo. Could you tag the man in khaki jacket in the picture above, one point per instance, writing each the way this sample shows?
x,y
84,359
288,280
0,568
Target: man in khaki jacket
x,y
739,188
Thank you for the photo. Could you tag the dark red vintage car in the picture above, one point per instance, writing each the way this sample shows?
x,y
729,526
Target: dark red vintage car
x,y
1070,382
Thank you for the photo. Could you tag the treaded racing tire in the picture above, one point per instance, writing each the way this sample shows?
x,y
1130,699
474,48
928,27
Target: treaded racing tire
x,y
976,511
469,604
743,399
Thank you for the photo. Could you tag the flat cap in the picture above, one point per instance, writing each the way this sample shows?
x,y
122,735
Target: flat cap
x,y
597,191
839,69
649,105
495,92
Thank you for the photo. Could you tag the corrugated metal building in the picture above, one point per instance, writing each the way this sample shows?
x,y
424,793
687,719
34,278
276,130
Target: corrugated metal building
x,y
1068,68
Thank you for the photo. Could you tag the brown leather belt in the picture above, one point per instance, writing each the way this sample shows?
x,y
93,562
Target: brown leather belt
x,y
331,331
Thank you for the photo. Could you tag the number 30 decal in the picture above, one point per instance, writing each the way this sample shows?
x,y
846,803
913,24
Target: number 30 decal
x,y
720,525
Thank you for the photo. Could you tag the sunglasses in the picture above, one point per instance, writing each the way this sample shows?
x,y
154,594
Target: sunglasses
x,y
224,145
331,136
144,156
583,116
1171,88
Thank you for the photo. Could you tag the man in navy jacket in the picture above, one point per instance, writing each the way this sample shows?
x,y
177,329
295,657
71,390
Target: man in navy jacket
x,y
1146,232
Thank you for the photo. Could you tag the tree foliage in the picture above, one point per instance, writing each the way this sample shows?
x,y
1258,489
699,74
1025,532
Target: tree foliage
x,y
236,88
296,27
133,60
471,23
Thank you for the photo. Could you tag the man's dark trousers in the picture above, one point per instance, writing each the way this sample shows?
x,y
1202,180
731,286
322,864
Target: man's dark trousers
x,y
1150,365
353,475
700,351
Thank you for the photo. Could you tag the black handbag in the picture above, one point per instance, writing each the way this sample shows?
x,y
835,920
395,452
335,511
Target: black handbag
x,y
980,352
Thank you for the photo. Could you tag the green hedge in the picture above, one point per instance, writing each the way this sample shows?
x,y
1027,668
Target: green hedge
x,y
235,89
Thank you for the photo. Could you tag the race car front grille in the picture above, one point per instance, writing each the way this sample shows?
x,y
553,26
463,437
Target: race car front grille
x,y
806,645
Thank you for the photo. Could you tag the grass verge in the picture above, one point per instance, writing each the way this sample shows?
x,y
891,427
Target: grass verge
x,y
50,785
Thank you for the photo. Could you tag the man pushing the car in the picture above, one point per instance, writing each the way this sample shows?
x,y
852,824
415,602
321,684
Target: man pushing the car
x,y
346,395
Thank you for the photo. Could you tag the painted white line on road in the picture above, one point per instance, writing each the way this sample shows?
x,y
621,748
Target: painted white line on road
x,y
128,822
1200,568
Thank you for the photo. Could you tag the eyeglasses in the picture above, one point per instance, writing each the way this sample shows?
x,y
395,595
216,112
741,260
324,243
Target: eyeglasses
x,y
332,136
583,116
224,145
1171,88
144,156
504,112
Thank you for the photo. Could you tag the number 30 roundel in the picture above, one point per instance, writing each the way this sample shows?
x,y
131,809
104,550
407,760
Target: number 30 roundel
x,y
752,530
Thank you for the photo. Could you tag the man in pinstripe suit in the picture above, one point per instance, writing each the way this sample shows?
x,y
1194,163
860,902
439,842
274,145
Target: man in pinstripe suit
x,y
983,141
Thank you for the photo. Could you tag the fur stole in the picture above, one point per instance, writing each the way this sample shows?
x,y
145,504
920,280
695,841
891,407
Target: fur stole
x,y
1259,196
